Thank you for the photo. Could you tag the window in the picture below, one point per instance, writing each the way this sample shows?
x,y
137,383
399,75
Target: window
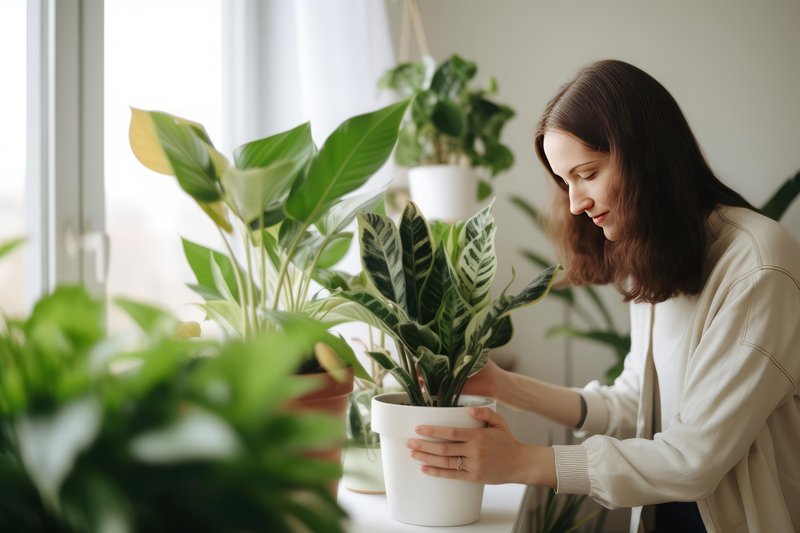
x,y
12,153
159,55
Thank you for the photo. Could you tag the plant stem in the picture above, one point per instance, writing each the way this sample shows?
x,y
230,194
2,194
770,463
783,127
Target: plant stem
x,y
239,285
250,293
285,266
263,261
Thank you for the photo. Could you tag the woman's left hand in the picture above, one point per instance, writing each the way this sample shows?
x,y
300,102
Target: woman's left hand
x,y
484,455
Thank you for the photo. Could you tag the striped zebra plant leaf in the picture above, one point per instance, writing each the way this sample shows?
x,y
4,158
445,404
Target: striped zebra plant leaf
x,y
440,278
481,328
451,321
501,333
417,255
435,370
382,256
386,317
477,263
415,336
408,383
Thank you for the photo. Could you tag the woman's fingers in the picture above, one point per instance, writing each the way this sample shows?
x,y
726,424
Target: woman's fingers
x,y
445,449
448,433
457,463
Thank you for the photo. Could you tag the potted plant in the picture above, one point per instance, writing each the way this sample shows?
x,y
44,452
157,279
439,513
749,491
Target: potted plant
x,y
430,292
362,464
148,432
283,199
451,131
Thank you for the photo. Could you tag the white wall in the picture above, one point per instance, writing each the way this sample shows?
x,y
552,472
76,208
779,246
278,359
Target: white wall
x,y
732,66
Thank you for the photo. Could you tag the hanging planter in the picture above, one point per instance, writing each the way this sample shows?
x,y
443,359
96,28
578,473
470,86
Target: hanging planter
x,y
444,192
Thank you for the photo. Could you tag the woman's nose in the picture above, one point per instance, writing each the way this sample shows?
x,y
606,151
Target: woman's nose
x,y
578,203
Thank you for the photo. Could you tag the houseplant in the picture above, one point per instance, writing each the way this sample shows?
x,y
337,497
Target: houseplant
x,y
147,432
283,199
451,131
430,292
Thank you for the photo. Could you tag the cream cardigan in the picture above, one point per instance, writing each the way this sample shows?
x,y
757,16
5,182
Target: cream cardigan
x,y
719,371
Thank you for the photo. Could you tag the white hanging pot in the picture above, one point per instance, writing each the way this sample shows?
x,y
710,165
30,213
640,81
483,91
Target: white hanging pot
x,y
444,192
363,469
414,497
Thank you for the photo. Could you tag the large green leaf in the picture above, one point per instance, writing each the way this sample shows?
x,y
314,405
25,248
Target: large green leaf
x,y
295,144
449,118
408,383
484,324
621,344
413,335
382,256
477,263
452,76
151,319
336,248
417,255
199,258
451,322
340,215
440,278
318,332
536,289
434,368
9,246
355,151
251,191
779,202
388,317
188,157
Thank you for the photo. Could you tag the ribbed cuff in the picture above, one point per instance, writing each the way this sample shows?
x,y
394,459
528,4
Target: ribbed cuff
x,y
572,470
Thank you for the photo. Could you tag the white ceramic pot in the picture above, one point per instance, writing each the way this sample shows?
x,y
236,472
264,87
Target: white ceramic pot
x,y
444,192
363,469
414,497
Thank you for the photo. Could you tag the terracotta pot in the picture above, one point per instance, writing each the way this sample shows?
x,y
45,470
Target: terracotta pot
x,y
331,399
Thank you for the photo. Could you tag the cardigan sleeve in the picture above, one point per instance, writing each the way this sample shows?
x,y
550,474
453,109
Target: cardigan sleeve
x,y
744,365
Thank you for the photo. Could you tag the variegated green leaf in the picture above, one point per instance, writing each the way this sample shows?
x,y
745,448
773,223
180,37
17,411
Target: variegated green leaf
x,y
249,192
440,278
477,263
417,255
435,370
225,313
387,316
501,333
536,289
341,214
451,322
382,256
408,383
415,336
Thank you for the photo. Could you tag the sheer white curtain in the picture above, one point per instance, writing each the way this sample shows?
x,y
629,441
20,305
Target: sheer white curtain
x,y
287,62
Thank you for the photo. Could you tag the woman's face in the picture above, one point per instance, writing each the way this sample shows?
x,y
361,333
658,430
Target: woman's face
x,y
588,176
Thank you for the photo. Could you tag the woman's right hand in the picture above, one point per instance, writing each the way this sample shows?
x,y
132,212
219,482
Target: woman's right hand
x,y
485,382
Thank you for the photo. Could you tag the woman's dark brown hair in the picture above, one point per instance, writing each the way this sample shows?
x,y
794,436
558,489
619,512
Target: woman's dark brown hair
x,y
666,187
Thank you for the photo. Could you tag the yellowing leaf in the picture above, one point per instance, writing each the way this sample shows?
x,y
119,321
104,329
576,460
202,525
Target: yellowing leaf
x,y
187,330
145,143
330,361
218,212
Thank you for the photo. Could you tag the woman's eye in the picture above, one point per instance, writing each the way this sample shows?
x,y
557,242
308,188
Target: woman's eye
x,y
589,176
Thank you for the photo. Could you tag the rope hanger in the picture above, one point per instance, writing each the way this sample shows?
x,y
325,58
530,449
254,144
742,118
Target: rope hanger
x,y
412,19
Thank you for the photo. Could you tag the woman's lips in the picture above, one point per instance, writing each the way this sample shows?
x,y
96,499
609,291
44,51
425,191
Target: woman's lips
x,y
599,218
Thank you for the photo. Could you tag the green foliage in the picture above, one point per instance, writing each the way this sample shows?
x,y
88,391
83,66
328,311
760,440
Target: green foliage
x,y
449,120
151,433
432,296
287,201
782,198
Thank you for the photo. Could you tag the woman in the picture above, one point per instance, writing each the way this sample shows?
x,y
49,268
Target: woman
x,y
702,426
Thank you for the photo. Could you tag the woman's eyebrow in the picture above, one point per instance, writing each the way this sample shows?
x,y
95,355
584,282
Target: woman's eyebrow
x,y
580,165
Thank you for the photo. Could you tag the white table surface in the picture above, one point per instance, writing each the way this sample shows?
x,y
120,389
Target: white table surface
x,y
505,509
